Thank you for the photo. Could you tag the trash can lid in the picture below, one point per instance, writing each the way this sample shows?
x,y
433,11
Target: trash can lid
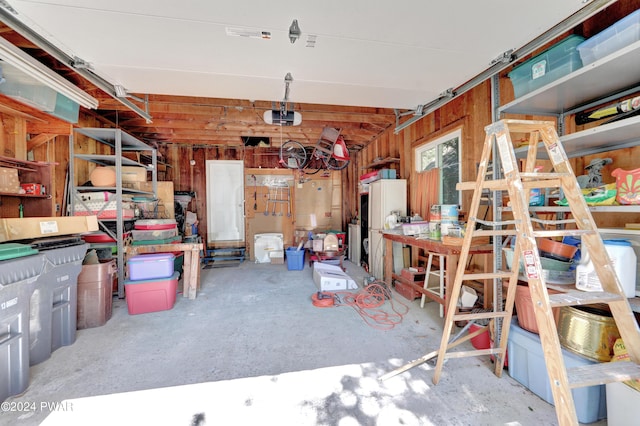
x,y
14,250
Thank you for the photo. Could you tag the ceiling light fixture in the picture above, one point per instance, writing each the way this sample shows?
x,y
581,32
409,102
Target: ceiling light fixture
x,y
294,31
35,69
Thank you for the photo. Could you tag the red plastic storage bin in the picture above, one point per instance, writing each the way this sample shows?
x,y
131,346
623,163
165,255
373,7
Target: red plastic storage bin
x,y
146,296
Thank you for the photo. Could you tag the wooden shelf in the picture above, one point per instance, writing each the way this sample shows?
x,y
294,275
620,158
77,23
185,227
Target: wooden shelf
x,y
32,205
11,194
383,162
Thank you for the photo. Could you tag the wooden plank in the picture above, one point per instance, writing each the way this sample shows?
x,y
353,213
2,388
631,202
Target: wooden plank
x,y
40,139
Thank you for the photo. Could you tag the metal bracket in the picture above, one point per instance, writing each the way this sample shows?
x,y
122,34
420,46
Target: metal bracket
x,y
505,58
80,64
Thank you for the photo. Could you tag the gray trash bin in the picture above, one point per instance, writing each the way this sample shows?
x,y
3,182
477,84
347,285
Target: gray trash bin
x,y
54,301
17,280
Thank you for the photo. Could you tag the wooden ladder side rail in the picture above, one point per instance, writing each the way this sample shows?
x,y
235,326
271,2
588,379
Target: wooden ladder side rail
x,y
526,246
460,272
592,243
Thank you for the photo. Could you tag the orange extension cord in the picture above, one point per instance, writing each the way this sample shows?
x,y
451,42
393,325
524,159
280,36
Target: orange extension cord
x,y
368,303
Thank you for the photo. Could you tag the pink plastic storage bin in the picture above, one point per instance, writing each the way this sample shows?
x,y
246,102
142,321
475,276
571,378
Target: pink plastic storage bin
x,y
150,266
151,295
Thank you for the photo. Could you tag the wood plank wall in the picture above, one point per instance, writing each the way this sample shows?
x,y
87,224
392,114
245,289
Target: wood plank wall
x,y
471,111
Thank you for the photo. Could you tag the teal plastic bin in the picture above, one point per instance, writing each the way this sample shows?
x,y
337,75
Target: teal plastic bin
x,y
295,259
561,59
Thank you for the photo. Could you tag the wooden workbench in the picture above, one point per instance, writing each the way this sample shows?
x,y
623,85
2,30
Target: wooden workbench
x,y
191,267
451,254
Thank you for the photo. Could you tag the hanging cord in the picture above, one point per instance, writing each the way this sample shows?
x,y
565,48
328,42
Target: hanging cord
x,y
368,303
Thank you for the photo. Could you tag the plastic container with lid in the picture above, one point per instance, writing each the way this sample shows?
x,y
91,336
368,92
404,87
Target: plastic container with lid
x,y
623,33
561,59
624,261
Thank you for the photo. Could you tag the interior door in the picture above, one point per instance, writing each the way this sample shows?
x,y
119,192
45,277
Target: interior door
x,y
225,201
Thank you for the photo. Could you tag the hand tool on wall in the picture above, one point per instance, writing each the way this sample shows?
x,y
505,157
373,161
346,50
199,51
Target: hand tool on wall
x,y
274,192
255,192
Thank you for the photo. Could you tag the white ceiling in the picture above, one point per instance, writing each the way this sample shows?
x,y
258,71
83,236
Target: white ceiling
x,y
380,53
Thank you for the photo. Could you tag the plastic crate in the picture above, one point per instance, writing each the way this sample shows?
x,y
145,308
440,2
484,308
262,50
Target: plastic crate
x,y
561,59
623,33
527,365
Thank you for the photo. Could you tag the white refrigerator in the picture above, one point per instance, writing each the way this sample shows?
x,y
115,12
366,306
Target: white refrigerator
x,y
385,196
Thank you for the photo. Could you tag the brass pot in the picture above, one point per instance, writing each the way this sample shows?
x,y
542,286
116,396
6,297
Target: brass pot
x,y
588,332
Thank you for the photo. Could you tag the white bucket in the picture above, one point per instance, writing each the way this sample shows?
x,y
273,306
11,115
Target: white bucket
x,y
624,264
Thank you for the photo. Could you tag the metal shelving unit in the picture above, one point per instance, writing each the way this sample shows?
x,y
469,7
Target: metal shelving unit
x,y
120,142
605,80
599,82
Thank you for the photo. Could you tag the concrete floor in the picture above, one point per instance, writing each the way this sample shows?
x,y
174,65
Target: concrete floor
x,y
251,349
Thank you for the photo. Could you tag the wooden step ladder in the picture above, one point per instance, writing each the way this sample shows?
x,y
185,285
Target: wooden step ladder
x,y
518,185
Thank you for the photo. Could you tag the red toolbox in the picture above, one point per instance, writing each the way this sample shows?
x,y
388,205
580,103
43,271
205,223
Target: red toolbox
x,y
407,291
416,273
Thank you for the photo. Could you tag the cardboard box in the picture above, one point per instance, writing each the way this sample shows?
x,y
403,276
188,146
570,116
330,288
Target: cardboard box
x,y
134,174
331,278
9,181
318,245
36,227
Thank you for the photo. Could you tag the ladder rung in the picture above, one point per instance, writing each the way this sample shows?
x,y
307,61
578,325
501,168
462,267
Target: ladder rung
x,y
602,373
485,184
551,183
552,222
563,232
576,297
492,223
486,276
493,232
464,354
543,176
480,315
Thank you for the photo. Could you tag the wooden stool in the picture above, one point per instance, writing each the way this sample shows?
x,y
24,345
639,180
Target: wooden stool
x,y
438,273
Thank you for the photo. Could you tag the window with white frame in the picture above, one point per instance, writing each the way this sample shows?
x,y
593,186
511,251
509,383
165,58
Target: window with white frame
x,y
443,153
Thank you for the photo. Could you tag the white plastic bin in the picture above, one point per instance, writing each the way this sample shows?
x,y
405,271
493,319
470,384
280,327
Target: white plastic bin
x,y
623,33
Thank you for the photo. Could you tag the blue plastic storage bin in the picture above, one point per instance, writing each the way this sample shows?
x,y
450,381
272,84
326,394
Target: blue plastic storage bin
x,y
561,59
527,365
623,33
295,259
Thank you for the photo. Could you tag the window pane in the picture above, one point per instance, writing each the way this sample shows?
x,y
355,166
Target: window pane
x,y
428,159
450,171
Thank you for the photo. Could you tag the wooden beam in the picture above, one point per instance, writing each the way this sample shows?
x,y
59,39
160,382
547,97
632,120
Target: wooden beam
x,y
40,139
